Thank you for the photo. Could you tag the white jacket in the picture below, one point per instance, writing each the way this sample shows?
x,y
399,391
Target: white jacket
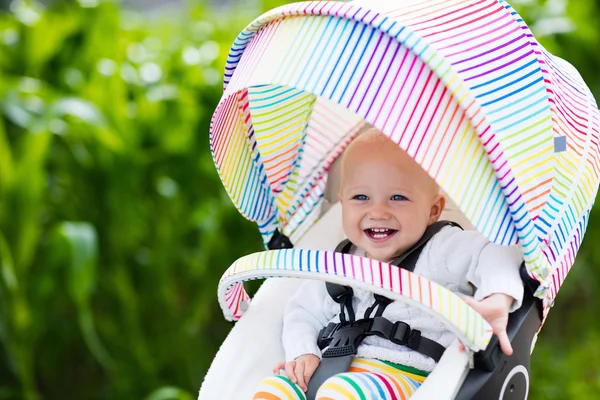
x,y
453,258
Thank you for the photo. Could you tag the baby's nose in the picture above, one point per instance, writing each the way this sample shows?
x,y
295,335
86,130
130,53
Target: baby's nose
x,y
379,213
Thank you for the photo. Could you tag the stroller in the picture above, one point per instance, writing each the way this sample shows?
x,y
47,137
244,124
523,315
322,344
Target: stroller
x,y
509,131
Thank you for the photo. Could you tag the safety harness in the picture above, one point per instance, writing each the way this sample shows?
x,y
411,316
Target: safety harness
x,y
341,340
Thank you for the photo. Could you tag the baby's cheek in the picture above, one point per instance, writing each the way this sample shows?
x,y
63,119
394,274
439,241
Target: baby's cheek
x,y
346,224
352,231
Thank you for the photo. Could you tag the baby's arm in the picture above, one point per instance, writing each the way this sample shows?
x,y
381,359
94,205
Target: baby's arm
x,y
495,274
304,316
495,309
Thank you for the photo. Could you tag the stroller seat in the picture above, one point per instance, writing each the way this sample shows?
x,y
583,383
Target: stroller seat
x,y
255,354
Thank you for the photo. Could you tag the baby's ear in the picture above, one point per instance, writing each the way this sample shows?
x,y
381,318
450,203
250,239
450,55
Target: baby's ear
x,y
439,202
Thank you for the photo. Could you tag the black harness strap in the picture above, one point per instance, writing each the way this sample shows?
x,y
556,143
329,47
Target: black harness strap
x,y
381,302
401,333
409,259
279,241
342,295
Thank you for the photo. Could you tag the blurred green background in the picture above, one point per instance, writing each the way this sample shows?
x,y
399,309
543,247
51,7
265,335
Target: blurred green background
x,y
114,226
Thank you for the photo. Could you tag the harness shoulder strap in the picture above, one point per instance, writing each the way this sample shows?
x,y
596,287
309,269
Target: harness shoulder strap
x,y
279,241
409,259
339,293
343,296
344,246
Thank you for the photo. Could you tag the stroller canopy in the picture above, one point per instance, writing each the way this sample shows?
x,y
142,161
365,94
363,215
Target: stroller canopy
x,y
509,131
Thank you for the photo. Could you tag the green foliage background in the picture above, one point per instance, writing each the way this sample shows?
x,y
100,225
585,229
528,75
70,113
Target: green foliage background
x,y
114,227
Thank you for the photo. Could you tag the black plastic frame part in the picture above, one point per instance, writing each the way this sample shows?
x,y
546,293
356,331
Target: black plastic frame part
x,y
496,375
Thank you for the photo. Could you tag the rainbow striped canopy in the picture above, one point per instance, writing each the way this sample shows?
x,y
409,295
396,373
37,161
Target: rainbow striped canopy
x,y
508,130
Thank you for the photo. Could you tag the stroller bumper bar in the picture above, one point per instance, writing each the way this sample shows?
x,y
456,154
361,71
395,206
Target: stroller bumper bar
x,y
381,278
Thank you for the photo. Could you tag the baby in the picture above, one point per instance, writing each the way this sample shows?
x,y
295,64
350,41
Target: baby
x,y
388,201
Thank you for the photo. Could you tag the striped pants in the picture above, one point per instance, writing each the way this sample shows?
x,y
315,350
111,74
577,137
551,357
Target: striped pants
x,y
365,380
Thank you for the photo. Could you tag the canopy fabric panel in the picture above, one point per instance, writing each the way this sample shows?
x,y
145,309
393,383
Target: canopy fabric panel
x,y
412,105
508,130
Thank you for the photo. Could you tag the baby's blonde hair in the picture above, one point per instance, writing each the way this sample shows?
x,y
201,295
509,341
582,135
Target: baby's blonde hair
x,y
374,135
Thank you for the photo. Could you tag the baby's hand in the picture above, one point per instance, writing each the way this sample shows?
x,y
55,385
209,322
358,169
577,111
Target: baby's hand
x,y
494,309
300,370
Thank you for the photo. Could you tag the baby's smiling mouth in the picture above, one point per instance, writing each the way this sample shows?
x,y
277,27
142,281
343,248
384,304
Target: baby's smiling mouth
x,y
378,234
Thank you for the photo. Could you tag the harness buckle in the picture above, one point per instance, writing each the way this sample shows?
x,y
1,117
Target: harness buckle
x,y
400,333
343,339
340,351
326,334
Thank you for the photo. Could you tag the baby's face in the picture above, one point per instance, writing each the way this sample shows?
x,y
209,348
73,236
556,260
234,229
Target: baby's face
x,y
387,200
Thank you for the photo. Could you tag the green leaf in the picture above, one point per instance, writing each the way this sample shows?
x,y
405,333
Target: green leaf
x,y
18,115
25,202
110,140
82,239
78,108
92,340
170,393
16,110
83,242
7,267
6,160
45,35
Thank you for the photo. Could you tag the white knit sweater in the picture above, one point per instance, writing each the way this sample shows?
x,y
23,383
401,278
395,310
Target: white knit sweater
x,y
453,258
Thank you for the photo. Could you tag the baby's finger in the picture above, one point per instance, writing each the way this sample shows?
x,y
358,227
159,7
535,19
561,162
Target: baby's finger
x,y
299,371
461,347
309,371
504,343
278,367
478,306
289,371
470,301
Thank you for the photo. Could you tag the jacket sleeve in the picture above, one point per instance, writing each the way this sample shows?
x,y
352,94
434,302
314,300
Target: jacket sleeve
x,y
305,315
496,270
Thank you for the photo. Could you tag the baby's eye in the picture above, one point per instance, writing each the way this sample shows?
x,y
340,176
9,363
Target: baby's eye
x,y
398,197
360,197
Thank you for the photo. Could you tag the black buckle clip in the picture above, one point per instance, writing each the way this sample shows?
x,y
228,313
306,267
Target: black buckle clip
x,y
342,339
340,351
400,332
403,335
326,334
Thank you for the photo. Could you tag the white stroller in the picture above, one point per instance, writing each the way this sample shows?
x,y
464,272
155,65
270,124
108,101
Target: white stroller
x,y
509,131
